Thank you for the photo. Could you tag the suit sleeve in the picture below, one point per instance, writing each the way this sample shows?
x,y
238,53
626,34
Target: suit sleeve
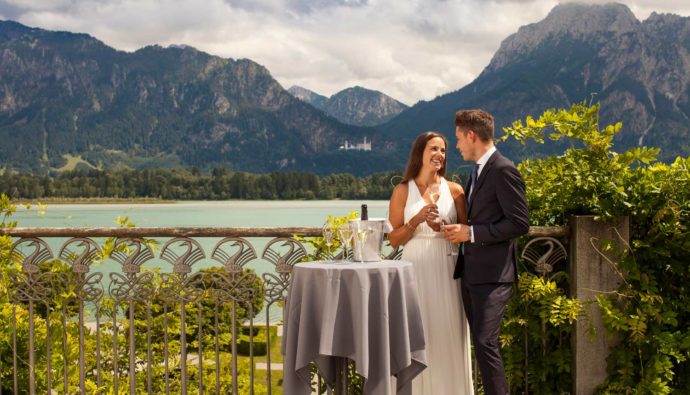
x,y
514,221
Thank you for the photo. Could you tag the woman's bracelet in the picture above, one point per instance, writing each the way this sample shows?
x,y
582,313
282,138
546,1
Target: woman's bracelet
x,y
410,226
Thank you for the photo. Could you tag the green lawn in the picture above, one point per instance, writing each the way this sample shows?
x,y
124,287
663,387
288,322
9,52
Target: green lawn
x,y
276,375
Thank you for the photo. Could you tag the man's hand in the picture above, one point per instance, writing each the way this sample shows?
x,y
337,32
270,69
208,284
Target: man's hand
x,y
457,233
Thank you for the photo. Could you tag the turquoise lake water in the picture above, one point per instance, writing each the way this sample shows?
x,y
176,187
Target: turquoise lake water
x,y
221,214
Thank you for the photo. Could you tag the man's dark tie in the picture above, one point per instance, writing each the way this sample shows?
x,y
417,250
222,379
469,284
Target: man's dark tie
x,y
473,178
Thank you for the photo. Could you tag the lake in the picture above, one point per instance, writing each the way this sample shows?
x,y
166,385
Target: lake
x,y
220,214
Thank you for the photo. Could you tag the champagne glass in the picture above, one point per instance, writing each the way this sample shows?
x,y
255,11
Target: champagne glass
x,y
362,235
434,195
327,232
453,247
434,192
346,235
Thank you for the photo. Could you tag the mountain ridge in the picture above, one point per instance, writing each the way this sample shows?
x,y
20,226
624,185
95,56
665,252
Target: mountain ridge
x,y
640,76
69,94
354,106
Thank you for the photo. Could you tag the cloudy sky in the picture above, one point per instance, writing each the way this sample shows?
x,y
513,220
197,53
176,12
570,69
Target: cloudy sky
x,y
409,49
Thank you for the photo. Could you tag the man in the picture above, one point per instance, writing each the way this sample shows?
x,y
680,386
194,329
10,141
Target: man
x,y
496,215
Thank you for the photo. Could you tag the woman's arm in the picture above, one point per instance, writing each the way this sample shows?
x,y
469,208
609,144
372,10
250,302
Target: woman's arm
x,y
402,231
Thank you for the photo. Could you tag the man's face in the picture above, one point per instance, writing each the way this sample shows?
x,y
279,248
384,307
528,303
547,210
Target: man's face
x,y
465,143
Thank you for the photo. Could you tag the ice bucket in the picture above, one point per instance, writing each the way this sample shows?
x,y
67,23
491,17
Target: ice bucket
x,y
370,251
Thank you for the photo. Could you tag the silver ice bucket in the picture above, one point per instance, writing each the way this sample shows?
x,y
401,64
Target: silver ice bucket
x,y
370,251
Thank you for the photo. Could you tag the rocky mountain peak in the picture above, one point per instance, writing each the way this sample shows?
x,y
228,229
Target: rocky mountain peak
x,y
588,18
571,19
363,107
354,106
638,71
9,27
12,31
308,96
668,24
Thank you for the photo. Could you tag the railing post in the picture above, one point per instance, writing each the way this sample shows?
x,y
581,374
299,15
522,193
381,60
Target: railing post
x,y
590,275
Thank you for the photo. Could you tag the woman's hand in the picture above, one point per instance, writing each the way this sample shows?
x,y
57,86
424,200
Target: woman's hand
x,y
428,214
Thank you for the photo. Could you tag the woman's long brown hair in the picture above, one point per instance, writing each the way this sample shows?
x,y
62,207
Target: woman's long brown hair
x,y
414,163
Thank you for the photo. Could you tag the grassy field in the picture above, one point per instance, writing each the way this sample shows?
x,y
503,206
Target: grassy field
x,y
72,162
276,375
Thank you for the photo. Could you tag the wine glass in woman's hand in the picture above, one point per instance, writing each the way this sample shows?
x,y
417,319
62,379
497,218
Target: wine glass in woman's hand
x,y
434,192
435,195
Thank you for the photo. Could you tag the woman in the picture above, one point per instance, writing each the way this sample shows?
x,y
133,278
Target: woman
x,y
415,219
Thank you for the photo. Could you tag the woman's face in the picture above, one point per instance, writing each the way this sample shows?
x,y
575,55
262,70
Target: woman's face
x,y
434,156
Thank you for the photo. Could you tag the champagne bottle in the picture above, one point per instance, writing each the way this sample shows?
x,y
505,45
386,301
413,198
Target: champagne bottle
x,y
365,212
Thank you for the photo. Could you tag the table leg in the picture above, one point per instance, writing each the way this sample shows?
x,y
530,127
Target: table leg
x,y
341,376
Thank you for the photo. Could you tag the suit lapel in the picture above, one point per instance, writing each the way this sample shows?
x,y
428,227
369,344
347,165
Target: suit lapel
x,y
482,177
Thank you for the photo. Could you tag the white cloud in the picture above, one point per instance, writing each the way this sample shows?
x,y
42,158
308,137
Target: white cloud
x,y
411,49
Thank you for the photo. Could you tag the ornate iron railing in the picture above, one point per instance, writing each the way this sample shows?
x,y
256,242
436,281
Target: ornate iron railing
x,y
152,322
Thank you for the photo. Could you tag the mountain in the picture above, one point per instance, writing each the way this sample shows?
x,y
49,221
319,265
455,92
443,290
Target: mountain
x,y
311,97
67,97
354,106
364,107
638,71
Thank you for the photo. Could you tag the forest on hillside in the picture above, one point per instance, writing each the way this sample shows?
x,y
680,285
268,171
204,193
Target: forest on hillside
x,y
193,184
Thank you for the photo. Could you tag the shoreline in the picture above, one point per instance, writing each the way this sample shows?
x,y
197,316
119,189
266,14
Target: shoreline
x,y
96,200
145,201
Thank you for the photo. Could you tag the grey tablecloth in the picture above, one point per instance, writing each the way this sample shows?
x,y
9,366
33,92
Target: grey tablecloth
x,y
366,312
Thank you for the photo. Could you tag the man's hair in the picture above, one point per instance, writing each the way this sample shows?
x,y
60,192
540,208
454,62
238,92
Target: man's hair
x,y
479,121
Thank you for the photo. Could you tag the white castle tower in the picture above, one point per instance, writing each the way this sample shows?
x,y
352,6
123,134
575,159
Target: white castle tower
x,y
364,146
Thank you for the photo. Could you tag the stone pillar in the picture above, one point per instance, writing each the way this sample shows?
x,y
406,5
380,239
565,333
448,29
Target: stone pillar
x,y
591,274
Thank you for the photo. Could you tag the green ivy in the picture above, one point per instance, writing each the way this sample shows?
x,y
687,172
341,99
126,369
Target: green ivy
x,y
649,314
535,336
316,246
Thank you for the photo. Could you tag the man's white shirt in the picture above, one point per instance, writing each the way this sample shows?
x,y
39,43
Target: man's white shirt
x,y
481,162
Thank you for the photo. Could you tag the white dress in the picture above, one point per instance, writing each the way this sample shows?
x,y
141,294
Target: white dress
x,y
446,330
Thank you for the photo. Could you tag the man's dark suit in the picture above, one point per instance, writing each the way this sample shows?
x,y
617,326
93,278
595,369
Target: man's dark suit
x,y
498,214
